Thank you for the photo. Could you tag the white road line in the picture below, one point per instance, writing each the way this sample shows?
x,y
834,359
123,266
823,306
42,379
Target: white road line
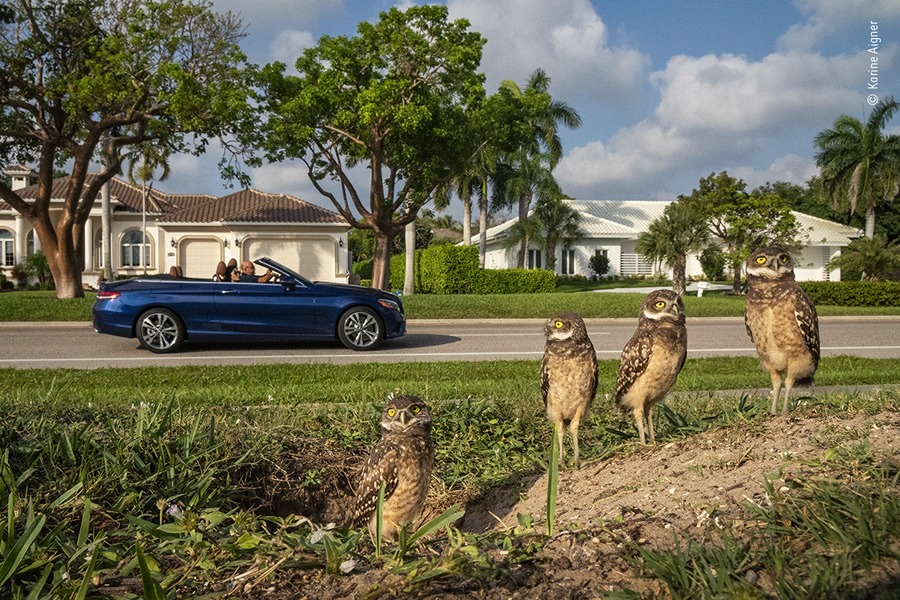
x,y
182,357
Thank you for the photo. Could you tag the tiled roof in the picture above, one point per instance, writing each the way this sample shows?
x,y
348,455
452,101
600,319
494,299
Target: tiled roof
x,y
245,206
824,232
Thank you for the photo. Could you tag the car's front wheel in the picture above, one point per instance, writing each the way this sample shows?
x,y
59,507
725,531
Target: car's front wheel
x,y
160,330
360,329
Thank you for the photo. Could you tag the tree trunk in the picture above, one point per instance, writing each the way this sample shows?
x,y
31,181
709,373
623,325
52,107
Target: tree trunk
x,y
678,277
736,282
409,278
381,268
467,221
482,233
522,248
870,221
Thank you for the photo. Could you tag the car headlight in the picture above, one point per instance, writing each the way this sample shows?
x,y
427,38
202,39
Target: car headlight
x,y
389,304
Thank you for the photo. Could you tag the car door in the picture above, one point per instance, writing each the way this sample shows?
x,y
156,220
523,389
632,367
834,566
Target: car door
x,y
266,309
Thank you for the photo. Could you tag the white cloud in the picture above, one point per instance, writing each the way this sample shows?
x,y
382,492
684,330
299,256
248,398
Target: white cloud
x,y
289,45
565,38
716,112
826,17
792,168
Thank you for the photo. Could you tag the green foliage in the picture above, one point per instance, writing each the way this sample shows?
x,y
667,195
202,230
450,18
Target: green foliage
x,y
853,293
599,264
396,97
681,230
363,268
515,281
860,164
713,261
876,258
36,266
442,269
744,222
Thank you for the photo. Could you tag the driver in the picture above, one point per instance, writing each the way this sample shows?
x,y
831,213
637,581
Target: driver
x,y
248,274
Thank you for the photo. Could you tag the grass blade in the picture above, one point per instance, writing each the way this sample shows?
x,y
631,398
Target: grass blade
x,y
448,516
18,552
89,572
552,480
85,523
39,585
152,589
379,520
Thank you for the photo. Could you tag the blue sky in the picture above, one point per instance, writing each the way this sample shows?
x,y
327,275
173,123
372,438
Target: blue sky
x,y
669,92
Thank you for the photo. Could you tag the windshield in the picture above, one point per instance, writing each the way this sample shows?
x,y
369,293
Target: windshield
x,y
277,266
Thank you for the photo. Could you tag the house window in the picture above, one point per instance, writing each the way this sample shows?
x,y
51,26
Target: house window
x,y
7,249
568,262
29,243
534,259
134,252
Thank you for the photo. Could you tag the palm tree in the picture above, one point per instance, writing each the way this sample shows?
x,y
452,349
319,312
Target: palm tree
x,y
560,226
877,258
860,165
680,231
543,116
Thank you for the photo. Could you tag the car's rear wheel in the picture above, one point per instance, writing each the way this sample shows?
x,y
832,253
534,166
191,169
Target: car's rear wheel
x,y
160,330
360,329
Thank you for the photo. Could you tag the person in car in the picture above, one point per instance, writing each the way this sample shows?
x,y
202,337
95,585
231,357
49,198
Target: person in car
x,y
248,274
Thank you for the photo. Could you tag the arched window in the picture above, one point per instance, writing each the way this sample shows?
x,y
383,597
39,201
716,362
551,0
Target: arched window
x,y
7,249
135,253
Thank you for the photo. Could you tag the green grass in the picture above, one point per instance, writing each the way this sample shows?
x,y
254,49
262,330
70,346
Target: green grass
x,y
43,306
93,463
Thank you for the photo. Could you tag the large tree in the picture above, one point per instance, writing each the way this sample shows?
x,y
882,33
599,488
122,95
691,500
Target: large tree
x,y
393,98
860,164
542,149
743,221
84,77
680,231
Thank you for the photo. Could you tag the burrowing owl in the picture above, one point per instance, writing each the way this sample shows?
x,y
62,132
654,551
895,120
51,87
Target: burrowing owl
x,y
402,459
568,375
781,320
652,358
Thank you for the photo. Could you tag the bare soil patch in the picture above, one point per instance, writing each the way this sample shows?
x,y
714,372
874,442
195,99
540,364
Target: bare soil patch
x,y
690,487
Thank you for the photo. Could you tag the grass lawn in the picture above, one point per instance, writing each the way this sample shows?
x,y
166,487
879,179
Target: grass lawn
x,y
43,306
95,463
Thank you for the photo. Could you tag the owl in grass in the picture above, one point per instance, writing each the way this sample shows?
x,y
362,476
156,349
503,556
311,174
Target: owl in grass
x,y
652,358
402,460
568,376
781,320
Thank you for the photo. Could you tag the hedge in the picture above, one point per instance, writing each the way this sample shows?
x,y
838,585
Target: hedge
x,y
364,268
853,293
448,269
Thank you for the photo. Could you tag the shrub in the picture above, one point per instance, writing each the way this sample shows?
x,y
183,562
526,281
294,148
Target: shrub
x,y
853,293
439,270
20,276
515,281
364,268
599,264
713,261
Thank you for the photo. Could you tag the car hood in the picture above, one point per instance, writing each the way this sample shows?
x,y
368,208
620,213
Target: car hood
x,y
358,289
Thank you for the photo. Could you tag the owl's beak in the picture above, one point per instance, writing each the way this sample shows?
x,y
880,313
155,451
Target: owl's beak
x,y
403,418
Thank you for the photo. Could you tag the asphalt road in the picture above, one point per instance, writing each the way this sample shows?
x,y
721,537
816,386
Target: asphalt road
x,y
77,346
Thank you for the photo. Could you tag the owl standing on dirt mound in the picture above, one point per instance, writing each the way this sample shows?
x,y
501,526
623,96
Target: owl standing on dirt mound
x,y
402,460
652,358
781,320
568,375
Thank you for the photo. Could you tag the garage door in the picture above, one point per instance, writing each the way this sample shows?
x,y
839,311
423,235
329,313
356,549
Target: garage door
x,y
199,258
312,258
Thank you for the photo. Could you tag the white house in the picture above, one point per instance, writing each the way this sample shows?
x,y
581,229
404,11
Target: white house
x,y
193,231
611,227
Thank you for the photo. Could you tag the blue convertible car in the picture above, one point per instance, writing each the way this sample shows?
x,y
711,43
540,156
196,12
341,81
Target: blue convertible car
x,y
163,311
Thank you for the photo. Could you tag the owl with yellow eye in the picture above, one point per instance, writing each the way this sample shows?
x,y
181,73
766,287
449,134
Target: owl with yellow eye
x,y
568,376
402,461
652,358
781,320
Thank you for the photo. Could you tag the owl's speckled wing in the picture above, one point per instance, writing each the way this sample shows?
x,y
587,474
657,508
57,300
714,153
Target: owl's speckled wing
x,y
635,358
381,466
808,321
